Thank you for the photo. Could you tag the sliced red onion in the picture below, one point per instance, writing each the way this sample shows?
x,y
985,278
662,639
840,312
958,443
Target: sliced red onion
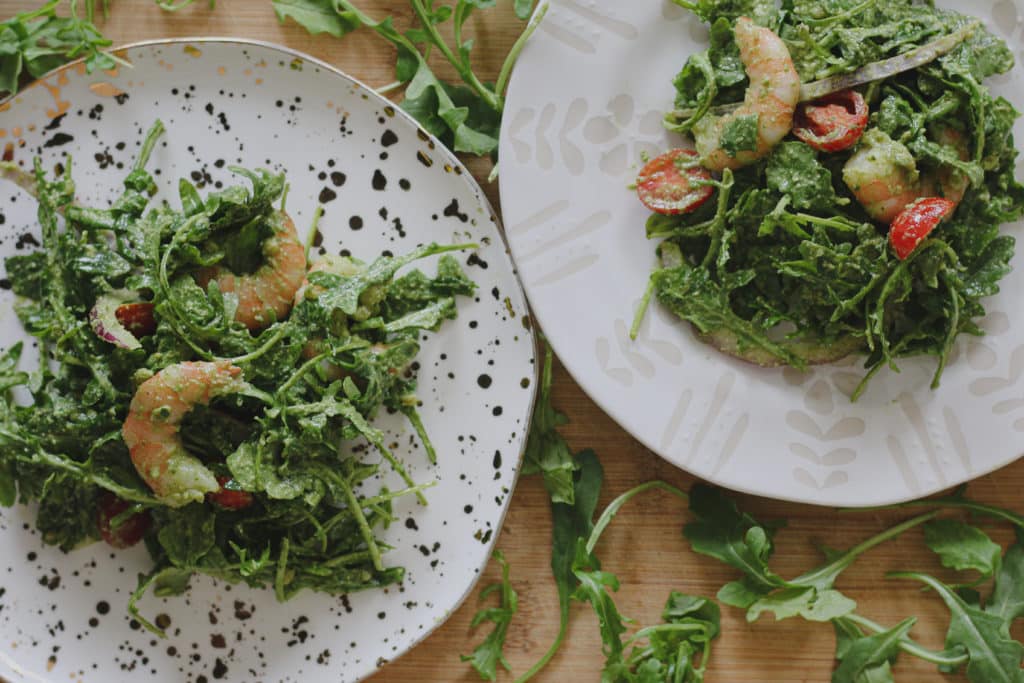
x,y
103,318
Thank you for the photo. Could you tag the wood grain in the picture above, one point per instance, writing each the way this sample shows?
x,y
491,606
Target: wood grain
x,y
644,546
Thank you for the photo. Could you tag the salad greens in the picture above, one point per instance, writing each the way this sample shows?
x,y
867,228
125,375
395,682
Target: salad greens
x,y
296,510
488,654
466,116
979,640
979,633
677,650
785,266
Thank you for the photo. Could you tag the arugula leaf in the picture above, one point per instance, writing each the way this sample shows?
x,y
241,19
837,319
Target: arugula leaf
x,y
674,647
867,659
547,453
794,171
994,656
694,295
571,522
316,16
1007,599
464,117
35,42
523,8
762,12
593,586
738,135
723,532
488,654
346,295
66,516
803,601
961,546
187,534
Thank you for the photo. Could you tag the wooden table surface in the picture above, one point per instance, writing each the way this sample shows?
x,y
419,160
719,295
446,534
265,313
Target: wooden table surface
x,y
644,546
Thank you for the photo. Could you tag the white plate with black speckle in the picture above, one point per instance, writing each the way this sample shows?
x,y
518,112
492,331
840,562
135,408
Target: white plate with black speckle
x,y
385,186
586,100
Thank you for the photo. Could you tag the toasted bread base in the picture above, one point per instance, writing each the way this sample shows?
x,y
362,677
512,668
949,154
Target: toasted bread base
x,y
813,353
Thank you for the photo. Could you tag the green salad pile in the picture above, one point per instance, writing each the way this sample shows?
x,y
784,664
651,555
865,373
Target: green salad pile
x,y
783,265
292,511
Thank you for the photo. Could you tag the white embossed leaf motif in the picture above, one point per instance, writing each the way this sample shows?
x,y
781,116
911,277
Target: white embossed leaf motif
x,y
580,26
823,458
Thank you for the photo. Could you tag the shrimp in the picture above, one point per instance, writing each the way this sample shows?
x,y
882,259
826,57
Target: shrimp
x,y
272,287
154,418
883,175
771,96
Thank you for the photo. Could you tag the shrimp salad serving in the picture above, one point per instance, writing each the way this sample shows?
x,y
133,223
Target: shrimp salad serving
x,y
203,386
849,177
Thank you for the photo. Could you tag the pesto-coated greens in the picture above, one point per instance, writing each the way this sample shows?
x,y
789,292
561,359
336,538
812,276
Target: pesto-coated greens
x,y
293,512
787,266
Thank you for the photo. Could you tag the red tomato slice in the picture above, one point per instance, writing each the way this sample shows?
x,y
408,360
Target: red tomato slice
x,y
833,122
665,187
229,498
137,318
915,222
127,534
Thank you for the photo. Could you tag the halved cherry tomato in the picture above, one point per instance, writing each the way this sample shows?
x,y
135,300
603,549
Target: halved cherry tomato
x,y
229,498
915,222
833,122
130,531
665,183
137,318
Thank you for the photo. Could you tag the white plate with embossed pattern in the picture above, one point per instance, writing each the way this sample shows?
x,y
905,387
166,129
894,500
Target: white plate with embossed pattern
x,y
585,101
385,186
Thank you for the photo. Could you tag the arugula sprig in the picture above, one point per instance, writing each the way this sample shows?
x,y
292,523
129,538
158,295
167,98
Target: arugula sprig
x,y
676,650
466,116
488,654
35,42
979,633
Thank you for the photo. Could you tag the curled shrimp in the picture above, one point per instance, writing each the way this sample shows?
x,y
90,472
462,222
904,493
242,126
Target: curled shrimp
x,y
771,96
882,174
272,287
154,418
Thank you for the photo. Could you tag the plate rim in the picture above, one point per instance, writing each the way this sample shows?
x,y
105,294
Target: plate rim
x,y
466,177
616,413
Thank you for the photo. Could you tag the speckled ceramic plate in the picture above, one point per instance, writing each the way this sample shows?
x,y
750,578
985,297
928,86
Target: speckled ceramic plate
x,y
585,101
385,186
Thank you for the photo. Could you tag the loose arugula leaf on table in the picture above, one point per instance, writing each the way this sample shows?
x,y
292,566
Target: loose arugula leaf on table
x,y
465,117
488,654
571,522
677,650
35,42
961,546
1007,599
547,453
994,657
722,531
867,659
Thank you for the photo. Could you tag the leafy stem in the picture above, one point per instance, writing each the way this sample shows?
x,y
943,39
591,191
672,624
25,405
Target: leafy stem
x,y
506,68
827,574
943,659
463,68
613,508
